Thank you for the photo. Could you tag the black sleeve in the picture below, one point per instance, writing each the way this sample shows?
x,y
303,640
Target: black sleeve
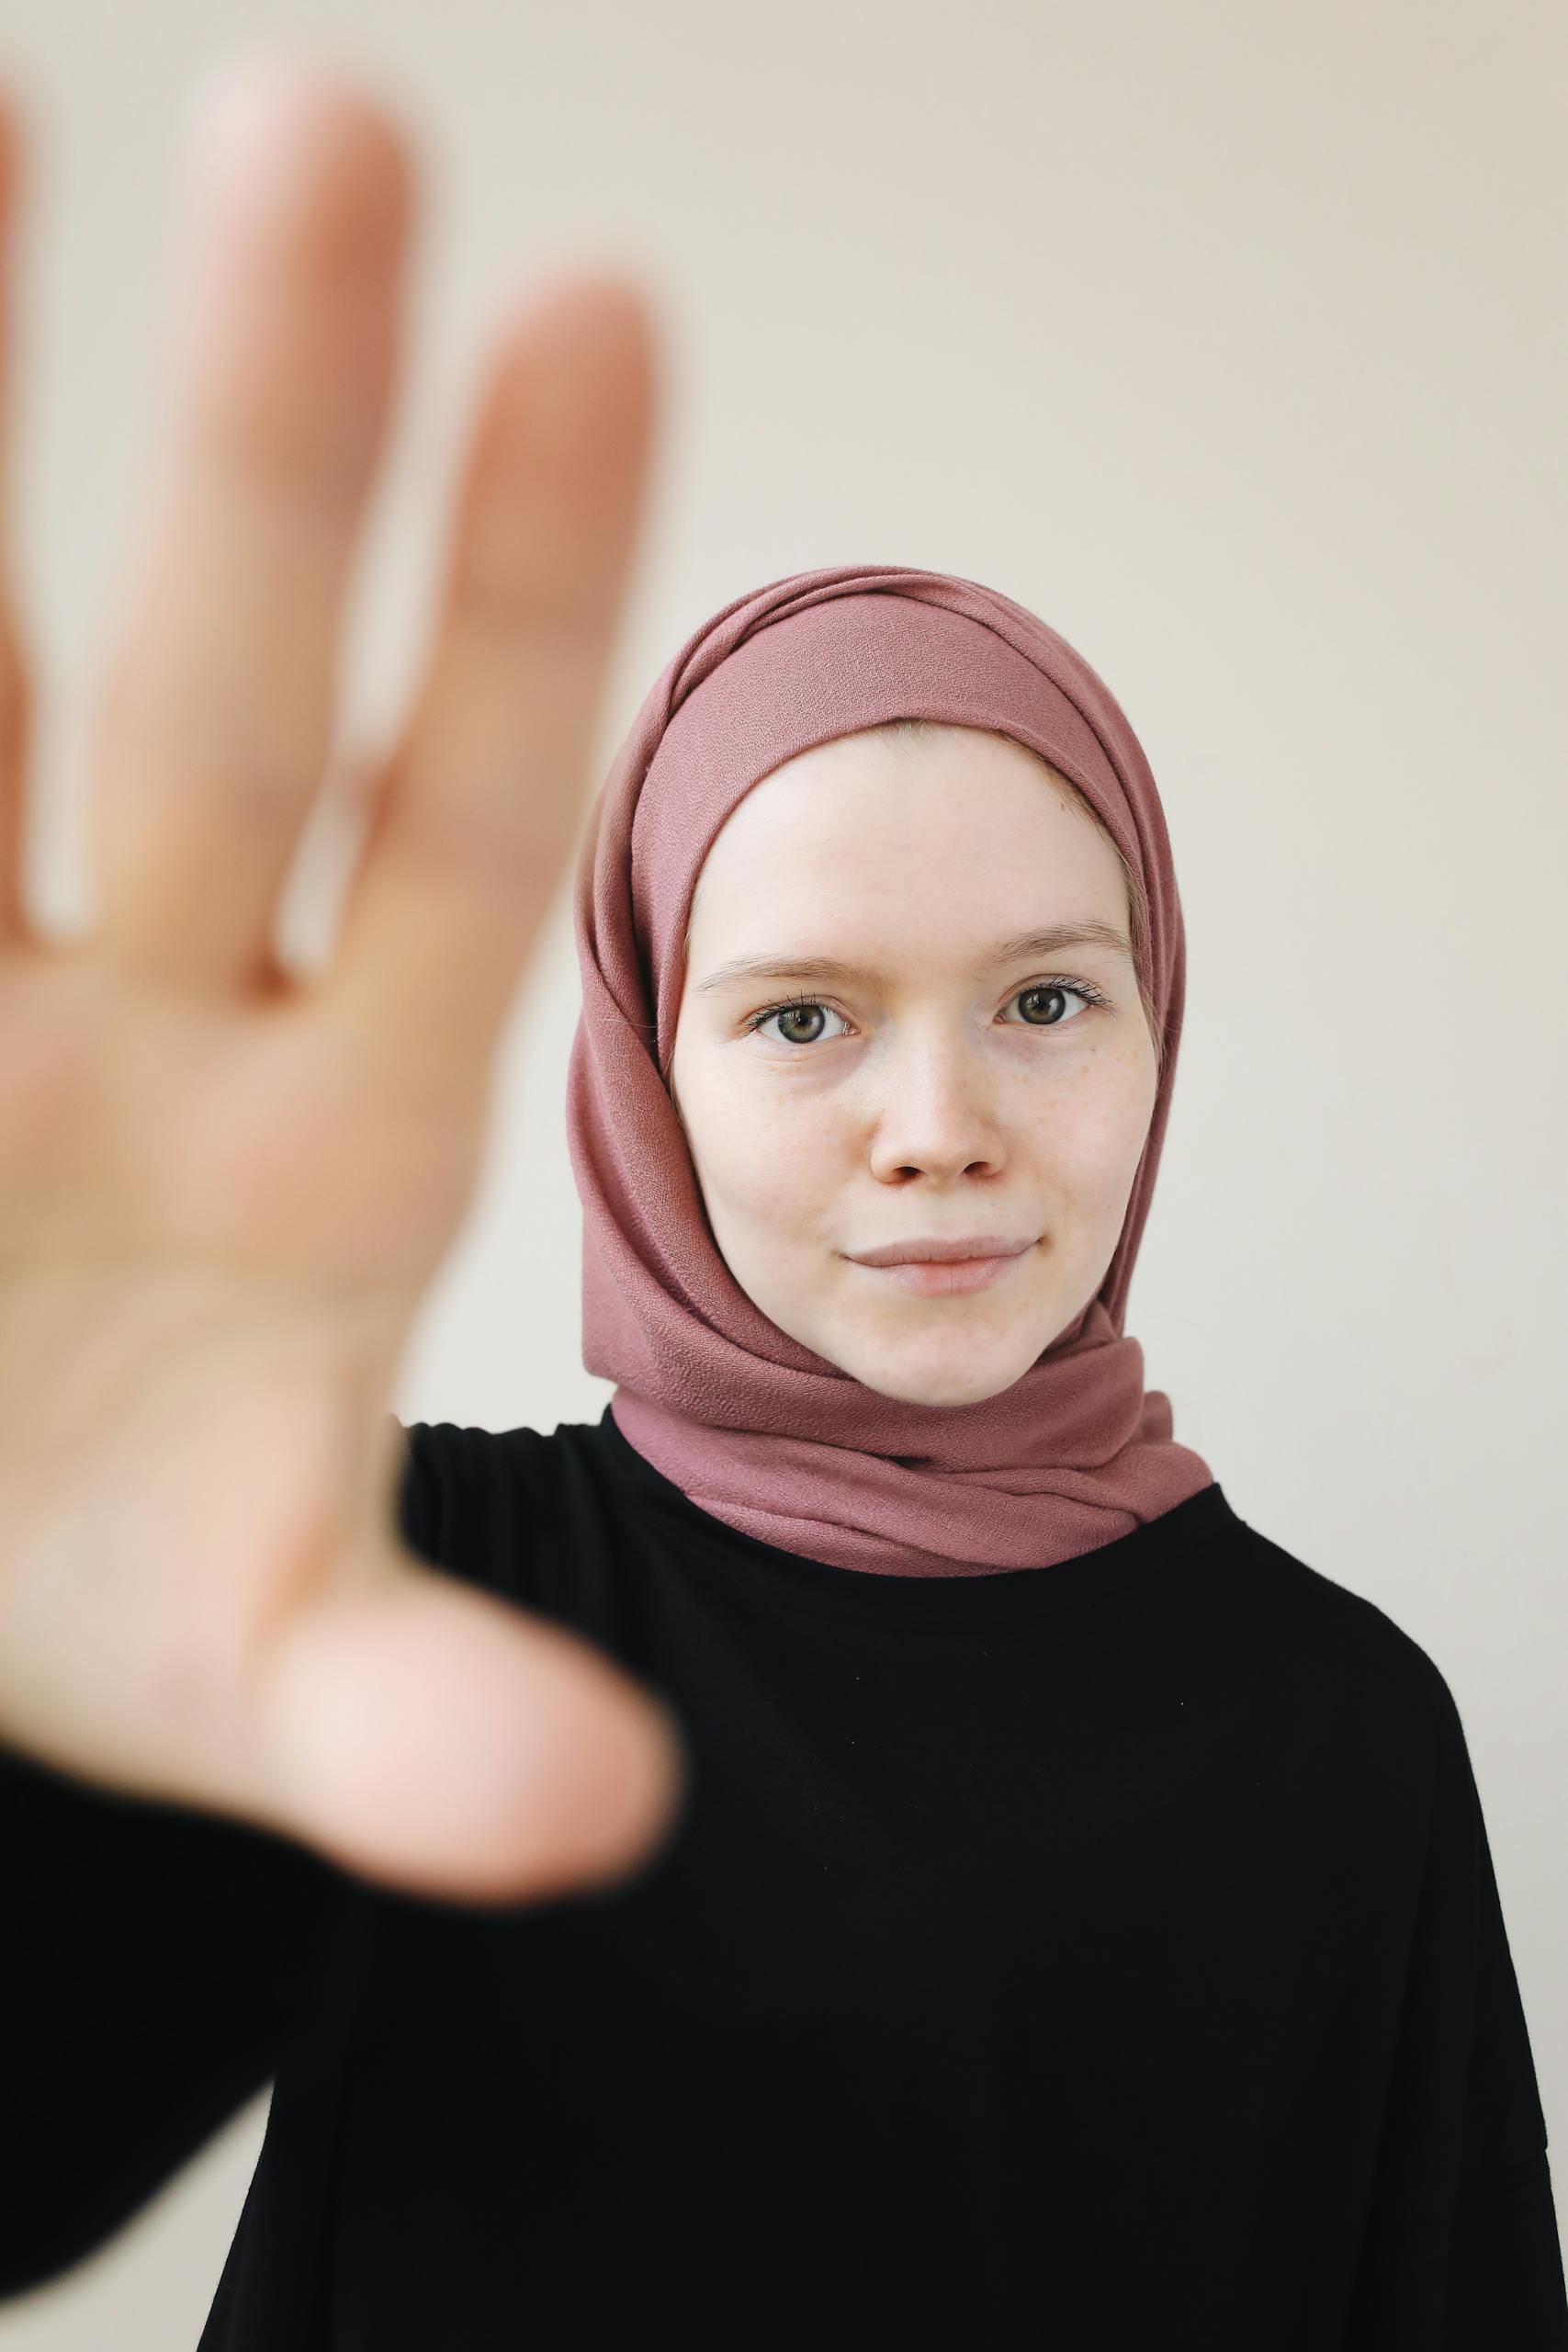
x,y
155,1960
1462,2251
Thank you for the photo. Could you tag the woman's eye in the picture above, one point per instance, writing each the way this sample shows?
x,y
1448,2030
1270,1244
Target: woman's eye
x,y
801,1011
1040,994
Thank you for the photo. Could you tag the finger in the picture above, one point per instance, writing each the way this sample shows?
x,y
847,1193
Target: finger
x,y
217,721
433,1738
14,687
483,797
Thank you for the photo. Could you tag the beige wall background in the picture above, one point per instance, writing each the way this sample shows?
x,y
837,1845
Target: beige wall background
x,y
1230,338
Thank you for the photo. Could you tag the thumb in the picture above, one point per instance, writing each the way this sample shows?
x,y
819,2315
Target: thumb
x,y
444,1742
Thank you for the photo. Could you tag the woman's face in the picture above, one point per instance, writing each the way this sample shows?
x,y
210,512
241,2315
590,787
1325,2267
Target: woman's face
x,y
942,1083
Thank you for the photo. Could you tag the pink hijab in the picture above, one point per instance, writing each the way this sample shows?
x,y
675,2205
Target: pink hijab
x,y
755,1428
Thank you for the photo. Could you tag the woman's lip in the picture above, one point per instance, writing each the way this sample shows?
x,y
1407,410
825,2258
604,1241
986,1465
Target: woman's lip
x,y
932,1251
937,1278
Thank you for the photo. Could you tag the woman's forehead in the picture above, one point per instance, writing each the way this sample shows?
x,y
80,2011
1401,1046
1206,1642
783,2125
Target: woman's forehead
x,y
858,826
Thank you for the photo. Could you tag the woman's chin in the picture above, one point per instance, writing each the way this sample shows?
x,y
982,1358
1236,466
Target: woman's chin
x,y
935,1378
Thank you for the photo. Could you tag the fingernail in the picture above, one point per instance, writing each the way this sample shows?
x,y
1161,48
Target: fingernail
x,y
250,98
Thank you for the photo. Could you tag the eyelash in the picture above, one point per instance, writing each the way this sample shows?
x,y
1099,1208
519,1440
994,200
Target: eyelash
x,y
1090,994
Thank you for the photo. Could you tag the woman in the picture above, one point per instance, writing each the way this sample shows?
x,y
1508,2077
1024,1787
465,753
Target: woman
x,y
1078,1926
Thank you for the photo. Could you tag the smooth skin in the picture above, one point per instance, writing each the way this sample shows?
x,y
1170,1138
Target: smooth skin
x,y
954,1093
224,1193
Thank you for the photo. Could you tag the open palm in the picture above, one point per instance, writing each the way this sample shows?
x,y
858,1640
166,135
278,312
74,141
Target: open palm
x,y
224,1193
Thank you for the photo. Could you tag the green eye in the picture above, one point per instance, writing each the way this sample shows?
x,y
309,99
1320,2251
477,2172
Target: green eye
x,y
795,1006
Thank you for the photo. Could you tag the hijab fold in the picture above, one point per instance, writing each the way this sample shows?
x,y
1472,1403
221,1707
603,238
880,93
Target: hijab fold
x,y
753,1426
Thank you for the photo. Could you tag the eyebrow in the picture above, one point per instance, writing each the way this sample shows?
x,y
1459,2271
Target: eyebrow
x,y
1051,941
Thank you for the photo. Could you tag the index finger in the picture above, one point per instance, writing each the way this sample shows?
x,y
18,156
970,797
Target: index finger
x,y
482,796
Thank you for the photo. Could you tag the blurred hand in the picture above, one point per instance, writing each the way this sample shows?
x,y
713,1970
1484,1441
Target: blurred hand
x,y
223,1195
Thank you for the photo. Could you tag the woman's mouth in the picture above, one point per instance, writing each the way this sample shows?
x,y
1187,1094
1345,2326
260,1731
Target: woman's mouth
x,y
932,1278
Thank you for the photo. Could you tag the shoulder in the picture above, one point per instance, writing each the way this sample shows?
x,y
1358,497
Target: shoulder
x,y
1335,1636
499,1508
